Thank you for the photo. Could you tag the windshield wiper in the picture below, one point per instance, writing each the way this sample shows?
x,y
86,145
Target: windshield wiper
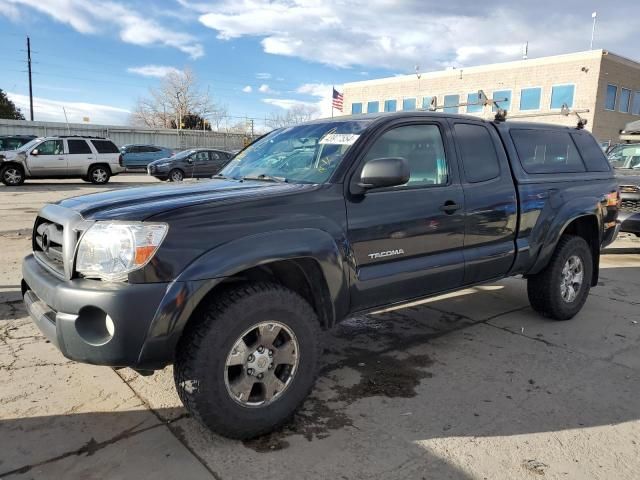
x,y
266,178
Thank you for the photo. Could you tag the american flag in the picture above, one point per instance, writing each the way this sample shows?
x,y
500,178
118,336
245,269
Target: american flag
x,y
337,101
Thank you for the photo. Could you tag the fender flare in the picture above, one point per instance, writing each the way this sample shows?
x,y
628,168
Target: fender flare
x,y
571,211
210,269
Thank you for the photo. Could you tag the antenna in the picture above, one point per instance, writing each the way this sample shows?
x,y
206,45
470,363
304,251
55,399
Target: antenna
x,y
525,50
417,70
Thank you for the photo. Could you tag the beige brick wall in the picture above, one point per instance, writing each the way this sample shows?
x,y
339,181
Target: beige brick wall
x,y
581,69
623,73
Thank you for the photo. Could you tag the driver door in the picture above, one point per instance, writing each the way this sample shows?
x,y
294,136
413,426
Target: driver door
x,y
49,159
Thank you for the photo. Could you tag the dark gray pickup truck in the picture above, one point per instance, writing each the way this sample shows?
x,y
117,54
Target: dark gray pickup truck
x,y
230,280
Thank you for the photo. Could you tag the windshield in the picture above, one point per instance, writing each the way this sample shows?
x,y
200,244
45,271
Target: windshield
x,y
625,156
301,154
183,154
29,145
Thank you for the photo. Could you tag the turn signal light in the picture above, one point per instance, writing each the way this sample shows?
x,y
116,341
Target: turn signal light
x,y
613,199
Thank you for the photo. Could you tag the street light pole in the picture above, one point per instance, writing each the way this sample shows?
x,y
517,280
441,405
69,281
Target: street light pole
x,y
594,15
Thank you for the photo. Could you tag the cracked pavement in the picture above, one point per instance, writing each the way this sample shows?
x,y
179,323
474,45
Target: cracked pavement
x,y
470,385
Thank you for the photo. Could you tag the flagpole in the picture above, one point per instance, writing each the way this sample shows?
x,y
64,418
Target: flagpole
x,y
333,88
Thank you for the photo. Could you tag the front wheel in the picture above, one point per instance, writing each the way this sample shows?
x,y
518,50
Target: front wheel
x,y
176,175
12,175
561,289
248,360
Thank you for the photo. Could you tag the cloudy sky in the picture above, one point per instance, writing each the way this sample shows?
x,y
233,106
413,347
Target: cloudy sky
x,y
97,57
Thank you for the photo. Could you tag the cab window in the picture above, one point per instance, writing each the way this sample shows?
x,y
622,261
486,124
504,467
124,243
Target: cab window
x,y
421,146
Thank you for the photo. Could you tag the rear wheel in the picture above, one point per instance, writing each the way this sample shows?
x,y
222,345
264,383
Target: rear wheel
x,y
176,175
99,174
249,360
561,289
12,175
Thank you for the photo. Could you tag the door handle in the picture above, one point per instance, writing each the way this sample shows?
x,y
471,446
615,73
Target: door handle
x,y
449,207
60,158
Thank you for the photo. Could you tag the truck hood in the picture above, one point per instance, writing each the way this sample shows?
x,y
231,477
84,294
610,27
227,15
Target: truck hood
x,y
140,203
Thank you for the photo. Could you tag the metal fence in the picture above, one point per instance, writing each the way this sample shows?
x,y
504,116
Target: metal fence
x,y
126,135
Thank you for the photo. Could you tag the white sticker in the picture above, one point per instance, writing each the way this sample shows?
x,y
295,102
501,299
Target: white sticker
x,y
339,139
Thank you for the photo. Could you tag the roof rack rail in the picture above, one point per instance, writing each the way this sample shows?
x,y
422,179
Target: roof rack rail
x,y
82,136
501,115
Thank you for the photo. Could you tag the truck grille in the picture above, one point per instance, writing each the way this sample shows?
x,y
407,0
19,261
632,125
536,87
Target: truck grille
x,y
48,244
630,206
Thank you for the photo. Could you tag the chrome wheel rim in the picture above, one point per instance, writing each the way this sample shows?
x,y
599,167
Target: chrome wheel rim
x,y
572,278
261,364
99,175
12,176
176,176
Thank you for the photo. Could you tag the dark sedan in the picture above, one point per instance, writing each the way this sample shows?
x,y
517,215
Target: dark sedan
x,y
626,160
192,163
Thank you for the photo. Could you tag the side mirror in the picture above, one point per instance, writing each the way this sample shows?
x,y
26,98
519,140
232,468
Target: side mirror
x,y
384,172
189,160
35,152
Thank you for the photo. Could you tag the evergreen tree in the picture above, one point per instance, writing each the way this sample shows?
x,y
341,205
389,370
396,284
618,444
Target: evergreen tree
x,y
8,109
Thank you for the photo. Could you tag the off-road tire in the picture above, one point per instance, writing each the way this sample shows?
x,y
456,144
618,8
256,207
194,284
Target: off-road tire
x,y
544,288
199,369
99,174
176,175
8,181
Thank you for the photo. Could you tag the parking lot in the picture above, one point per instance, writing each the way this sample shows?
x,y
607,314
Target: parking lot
x,y
470,385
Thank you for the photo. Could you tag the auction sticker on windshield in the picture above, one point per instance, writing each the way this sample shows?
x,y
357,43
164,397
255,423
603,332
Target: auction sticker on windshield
x,y
339,139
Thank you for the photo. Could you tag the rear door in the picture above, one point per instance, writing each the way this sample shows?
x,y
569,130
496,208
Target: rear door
x,y
49,160
218,161
491,214
407,241
79,156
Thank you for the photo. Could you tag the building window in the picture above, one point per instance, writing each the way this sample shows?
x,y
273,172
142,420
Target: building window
x,y
530,98
389,105
635,106
625,100
356,108
562,95
451,103
473,98
373,107
503,97
612,93
409,104
426,102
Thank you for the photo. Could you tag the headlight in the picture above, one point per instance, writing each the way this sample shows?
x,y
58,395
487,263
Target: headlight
x,y
110,250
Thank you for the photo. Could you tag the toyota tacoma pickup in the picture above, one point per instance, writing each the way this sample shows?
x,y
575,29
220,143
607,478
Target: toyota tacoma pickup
x,y
232,279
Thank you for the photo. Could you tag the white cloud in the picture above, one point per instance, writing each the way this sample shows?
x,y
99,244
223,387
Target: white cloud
x,y
102,16
433,34
51,110
247,89
320,92
263,76
10,11
264,88
158,71
287,103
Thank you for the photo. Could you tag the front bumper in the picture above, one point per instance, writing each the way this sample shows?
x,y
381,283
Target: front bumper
x,y
65,312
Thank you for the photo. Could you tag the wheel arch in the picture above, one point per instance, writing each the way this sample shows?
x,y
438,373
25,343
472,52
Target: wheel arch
x,y
585,224
307,261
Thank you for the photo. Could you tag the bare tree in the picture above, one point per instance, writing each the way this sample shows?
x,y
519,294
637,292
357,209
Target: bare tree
x,y
218,117
293,116
177,97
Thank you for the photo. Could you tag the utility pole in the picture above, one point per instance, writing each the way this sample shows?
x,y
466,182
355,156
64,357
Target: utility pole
x,y
30,85
594,15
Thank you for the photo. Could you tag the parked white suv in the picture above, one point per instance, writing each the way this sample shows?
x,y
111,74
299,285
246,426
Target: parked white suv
x,y
93,159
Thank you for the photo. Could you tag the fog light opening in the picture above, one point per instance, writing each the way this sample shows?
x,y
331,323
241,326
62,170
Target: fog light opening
x,y
95,326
